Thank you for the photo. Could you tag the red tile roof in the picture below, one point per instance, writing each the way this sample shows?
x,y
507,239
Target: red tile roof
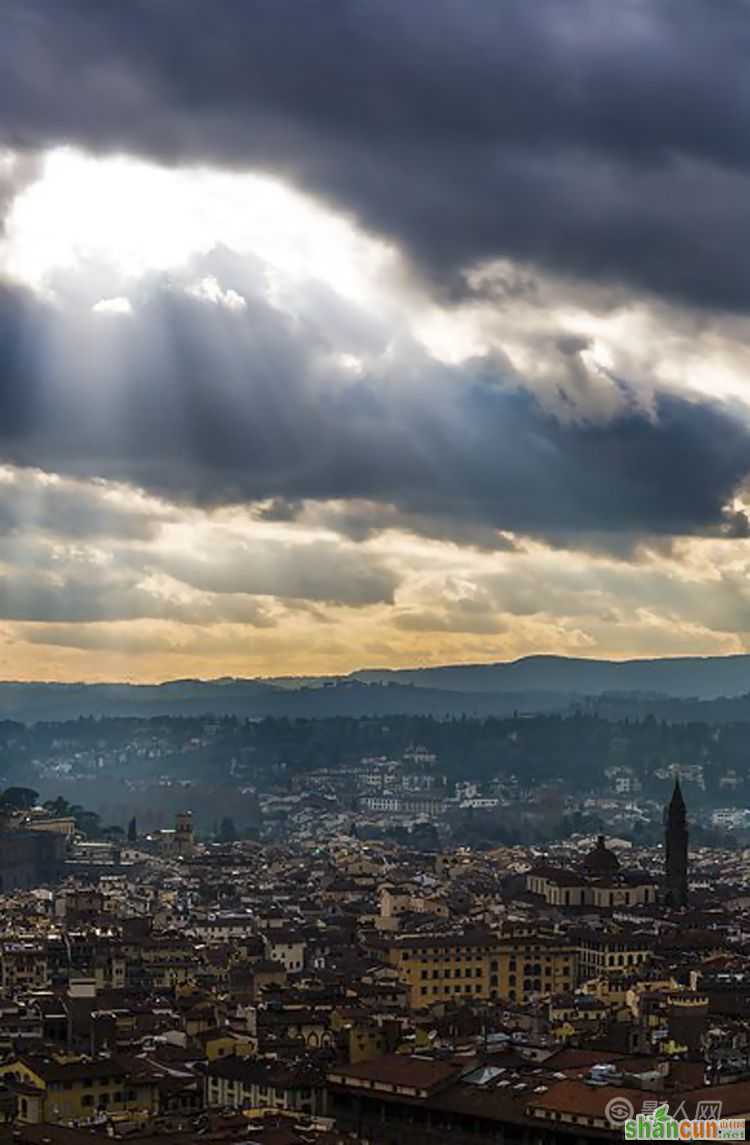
x,y
401,1070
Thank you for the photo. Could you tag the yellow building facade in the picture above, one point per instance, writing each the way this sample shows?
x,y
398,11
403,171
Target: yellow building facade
x,y
483,965
59,1089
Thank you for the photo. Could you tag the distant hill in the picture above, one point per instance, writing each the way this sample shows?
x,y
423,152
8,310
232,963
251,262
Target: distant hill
x,y
703,677
248,699
680,688
32,702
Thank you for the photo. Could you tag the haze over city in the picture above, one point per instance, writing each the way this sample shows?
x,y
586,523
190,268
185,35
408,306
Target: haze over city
x,y
340,335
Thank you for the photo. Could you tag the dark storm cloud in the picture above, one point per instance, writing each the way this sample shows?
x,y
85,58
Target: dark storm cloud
x,y
610,141
199,402
361,520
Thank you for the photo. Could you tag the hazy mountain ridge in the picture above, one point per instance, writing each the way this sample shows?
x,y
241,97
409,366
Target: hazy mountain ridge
x,y
244,698
532,684
702,677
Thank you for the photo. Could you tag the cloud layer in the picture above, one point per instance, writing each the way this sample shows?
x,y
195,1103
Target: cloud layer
x,y
202,400
461,375
607,141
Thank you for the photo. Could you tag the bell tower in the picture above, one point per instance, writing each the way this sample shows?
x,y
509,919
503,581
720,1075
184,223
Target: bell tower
x,y
676,849
184,834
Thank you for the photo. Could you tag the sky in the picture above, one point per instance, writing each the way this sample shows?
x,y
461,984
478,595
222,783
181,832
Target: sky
x,y
363,333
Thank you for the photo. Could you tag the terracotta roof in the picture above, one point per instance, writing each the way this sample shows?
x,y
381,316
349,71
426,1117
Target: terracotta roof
x,y
50,1070
287,1075
438,940
734,1098
500,1105
401,1070
581,1100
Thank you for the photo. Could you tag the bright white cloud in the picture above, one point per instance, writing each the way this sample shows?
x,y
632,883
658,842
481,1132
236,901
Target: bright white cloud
x,y
210,291
138,217
112,306
116,219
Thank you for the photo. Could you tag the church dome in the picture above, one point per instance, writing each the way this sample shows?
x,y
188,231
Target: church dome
x,y
601,861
